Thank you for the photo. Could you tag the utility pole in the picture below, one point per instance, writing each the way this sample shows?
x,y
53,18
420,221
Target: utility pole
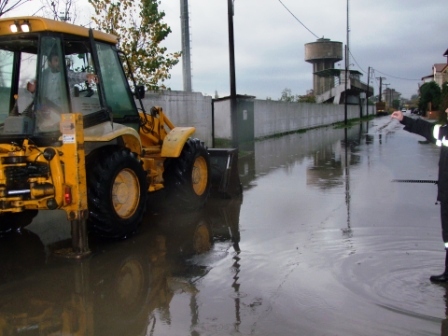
x,y
391,97
348,36
381,88
186,57
347,64
387,94
233,103
367,92
345,85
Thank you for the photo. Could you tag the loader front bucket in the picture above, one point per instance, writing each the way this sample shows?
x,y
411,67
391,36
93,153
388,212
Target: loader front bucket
x,y
225,178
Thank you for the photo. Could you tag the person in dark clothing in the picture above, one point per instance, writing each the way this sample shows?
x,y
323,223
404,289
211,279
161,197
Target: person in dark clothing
x,y
437,134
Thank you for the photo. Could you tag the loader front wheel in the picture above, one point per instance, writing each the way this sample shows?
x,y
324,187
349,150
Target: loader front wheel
x,y
187,178
117,191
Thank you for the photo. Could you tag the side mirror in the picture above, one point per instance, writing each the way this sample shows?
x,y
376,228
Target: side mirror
x,y
140,91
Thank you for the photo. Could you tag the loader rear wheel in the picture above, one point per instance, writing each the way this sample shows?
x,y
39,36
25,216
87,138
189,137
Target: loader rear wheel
x,y
187,177
14,221
116,185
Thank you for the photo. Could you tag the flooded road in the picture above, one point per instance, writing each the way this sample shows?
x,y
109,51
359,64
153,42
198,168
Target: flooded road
x,y
321,243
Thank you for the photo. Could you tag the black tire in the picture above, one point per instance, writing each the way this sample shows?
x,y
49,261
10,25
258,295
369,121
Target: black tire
x,y
117,189
14,221
187,178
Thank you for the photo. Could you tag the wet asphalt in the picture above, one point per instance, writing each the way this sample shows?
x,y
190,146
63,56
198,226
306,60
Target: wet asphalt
x,y
322,242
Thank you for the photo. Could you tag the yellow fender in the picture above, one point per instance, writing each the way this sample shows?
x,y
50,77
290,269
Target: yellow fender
x,y
106,132
175,141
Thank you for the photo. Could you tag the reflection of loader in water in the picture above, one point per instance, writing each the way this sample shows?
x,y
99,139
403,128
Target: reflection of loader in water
x,y
122,290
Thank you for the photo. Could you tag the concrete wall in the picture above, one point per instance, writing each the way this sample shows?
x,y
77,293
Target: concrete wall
x,y
274,117
270,117
184,109
222,120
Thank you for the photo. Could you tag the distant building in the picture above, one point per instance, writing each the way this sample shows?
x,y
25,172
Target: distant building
x,y
439,72
390,95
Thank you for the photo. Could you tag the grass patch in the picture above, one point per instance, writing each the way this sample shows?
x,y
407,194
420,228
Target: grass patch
x,y
223,143
352,122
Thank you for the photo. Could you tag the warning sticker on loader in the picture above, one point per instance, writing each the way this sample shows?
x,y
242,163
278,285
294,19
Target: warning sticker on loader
x,y
68,139
67,127
67,124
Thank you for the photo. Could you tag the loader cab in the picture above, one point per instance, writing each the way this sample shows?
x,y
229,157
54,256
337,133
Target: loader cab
x,y
45,72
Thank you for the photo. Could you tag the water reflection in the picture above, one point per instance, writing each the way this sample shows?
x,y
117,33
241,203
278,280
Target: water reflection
x,y
444,324
307,245
323,147
326,169
329,153
124,288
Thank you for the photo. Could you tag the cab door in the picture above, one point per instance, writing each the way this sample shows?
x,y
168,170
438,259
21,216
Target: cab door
x,y
52,96
115,87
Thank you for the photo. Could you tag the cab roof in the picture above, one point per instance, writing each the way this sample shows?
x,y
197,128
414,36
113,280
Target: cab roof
x,y
40,24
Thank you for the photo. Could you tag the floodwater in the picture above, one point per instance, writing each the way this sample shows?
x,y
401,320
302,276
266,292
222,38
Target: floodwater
x,y
322,242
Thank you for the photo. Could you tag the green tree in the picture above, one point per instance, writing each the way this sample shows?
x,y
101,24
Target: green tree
x,y
444,97
140,29
444,102
396,104
308,98
430,94
287,96
413,103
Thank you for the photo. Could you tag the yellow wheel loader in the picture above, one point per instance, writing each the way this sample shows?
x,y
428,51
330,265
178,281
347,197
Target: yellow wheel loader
x,y
72,137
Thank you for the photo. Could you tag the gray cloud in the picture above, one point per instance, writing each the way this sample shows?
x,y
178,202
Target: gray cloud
x,y
401,40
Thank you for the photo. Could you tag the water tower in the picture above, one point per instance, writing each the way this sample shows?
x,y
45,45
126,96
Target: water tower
x,y
323,54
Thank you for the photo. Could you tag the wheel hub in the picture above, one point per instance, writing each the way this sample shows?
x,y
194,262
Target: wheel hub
x,y
126,193
199,175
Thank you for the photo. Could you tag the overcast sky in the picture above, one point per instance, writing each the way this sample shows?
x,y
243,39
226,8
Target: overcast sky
x,y
399,39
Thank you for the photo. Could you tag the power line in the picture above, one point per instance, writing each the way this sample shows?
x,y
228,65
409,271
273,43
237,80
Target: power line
x,y
391,76
356,61
409,79
298,19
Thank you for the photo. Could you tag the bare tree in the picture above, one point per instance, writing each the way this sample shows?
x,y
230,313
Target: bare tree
x,y
7,5
60,10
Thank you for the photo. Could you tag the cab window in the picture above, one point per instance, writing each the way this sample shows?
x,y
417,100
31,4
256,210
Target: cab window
x,y
118,97
6,69
18,63
52,97
79,63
